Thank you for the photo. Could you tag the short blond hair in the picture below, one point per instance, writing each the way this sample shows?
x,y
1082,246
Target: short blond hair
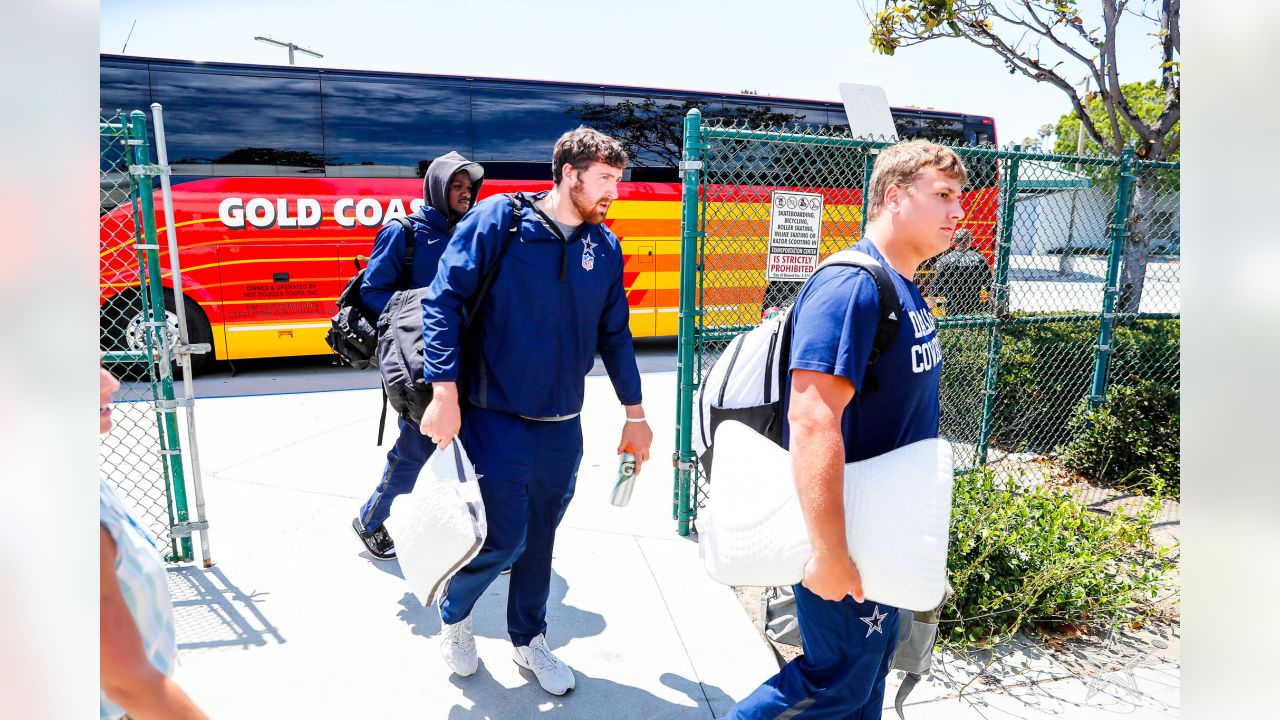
x,y
904,163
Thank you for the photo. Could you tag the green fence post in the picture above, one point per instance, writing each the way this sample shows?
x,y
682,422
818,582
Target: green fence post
x,y
166,406
1119,230
691,173
868,164
1000,286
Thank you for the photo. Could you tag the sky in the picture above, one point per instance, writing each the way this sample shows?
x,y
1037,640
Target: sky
x,y
785,49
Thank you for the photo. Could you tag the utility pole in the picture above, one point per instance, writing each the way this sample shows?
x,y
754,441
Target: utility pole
x,y
288,45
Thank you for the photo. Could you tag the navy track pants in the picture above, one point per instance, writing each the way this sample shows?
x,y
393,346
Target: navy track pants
x,y
404,463
847,649
527,472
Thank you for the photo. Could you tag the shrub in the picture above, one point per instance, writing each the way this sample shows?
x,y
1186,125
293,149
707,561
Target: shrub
x,y
1024,556
1131,439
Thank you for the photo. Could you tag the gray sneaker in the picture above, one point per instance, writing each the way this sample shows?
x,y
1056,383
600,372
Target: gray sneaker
x,y
458,647
553,675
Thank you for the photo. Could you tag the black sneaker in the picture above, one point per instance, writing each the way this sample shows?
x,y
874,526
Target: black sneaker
x,y
378,542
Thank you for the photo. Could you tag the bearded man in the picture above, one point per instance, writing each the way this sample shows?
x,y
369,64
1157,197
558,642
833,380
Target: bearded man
x,y
557,299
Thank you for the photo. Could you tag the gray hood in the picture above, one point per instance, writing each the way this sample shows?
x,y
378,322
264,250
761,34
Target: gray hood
x,y
435,185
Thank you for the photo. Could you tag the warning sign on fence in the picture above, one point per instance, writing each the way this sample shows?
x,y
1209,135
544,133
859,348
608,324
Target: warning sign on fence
x,y
795,227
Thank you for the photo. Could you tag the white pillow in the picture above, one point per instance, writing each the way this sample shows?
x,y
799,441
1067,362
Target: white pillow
x,y
897,512
439,526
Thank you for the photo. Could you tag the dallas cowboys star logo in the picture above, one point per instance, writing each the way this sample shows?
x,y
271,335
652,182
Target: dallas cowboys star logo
x,y
874,621
588,253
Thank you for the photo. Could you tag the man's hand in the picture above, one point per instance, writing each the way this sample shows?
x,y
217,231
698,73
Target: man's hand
x,y
636,437
442,419
831,579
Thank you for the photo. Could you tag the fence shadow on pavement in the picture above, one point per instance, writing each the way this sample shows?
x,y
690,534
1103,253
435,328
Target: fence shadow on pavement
x,y
211,612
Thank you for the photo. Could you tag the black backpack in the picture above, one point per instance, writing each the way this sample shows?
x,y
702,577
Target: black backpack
x,y
747,381
400,344
353,333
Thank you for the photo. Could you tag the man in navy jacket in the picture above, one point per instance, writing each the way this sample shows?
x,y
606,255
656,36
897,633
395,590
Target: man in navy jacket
x,y
557,300
449,188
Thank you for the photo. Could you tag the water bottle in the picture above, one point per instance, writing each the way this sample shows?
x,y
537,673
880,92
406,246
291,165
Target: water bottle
x,y
626,480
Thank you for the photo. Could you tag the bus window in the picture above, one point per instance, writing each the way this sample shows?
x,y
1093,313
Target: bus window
x,y
777,164
124,88
944,130
516,126
240,124
650,127
765,114
390,127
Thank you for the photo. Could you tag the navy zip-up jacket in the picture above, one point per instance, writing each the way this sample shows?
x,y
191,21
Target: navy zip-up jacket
x,y
554,304
386,262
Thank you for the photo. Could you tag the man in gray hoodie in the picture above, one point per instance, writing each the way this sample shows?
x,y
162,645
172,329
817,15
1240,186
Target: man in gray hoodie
x,y
449,189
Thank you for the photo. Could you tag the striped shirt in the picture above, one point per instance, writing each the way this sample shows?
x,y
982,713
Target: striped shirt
x,y
141,573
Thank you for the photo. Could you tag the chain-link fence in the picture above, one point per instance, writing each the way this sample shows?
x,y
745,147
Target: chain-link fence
x,y
140,336
1063,281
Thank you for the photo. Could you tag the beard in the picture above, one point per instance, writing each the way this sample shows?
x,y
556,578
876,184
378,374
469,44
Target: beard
x,y
588,208
455,214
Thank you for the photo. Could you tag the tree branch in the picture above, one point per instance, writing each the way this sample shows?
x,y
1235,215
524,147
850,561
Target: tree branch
x,y
1170,42
1171,22
1111,10
977,33
1108,65
1047,31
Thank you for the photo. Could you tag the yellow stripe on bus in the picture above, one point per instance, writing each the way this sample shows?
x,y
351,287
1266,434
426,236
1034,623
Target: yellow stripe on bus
x,y
644,210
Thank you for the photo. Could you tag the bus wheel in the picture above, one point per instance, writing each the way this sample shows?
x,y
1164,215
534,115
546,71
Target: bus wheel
x,y
124,327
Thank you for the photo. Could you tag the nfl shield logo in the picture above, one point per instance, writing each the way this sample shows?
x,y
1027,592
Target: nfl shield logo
x,y
588,261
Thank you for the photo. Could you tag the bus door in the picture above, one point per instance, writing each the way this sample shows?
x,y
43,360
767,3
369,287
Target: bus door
x,y
640,281
277,299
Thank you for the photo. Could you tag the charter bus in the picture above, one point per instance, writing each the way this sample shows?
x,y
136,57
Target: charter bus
x,y
282,176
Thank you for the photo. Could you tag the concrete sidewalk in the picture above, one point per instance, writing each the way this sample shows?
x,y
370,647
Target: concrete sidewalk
x,y
296,620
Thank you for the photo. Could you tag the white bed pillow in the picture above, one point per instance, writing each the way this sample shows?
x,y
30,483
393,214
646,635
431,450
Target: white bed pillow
x,y
439,526
897,512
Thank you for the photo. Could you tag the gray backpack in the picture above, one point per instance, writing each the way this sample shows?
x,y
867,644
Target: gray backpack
x,y
400,343
913,653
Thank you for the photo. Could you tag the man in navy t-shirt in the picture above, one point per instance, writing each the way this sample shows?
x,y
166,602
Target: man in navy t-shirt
x,y
833,416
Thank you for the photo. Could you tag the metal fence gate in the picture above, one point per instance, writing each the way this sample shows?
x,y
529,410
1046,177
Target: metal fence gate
x,y
143,342
1070,283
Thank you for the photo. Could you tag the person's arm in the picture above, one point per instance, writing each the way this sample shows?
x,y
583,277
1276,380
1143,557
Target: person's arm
x,y
458,276
386,264
128,678
817,404
613,342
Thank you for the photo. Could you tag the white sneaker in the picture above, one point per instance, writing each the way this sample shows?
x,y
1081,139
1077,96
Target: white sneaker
x,y
458,647
553,675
